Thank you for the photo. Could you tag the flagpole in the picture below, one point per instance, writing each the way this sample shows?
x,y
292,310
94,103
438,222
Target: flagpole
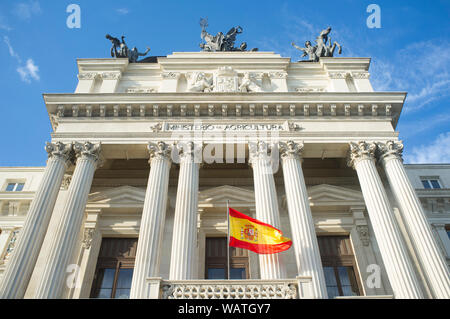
x,y
228,238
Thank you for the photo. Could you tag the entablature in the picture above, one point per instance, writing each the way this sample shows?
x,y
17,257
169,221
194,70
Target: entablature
x,y
225,105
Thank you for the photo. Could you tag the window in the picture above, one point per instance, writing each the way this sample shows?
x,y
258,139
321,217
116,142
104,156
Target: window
x,y
216,260
14,187
339,266
114,270
431,183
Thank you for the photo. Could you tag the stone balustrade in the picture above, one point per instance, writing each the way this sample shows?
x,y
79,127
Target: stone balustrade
x,y
299,288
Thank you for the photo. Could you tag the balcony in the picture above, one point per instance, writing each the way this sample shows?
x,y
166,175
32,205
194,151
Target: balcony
x,y
230,289
298,288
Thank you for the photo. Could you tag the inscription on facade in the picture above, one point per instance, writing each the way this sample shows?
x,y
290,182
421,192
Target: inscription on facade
x,y
226,127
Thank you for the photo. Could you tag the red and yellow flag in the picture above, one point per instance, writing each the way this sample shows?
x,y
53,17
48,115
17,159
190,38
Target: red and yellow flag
x,y
254,235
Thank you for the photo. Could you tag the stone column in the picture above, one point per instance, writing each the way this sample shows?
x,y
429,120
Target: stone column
x,y
419,230
184,242
65,238
152,221
395,256
271,265
304,236
21,264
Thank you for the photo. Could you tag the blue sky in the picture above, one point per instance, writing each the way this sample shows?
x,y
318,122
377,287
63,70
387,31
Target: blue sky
x,y
38,52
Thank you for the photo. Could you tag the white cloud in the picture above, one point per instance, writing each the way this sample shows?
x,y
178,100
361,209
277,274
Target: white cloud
x,y
122,11
25,10
436,152
422,69
29,71
4,24
11,49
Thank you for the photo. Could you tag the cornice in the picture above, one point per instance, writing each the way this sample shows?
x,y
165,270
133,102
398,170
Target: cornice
x,y
217,97
6,169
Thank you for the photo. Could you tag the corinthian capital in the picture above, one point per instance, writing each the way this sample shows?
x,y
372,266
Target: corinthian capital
x,y
261,150
88,150
291,150
360,151
159,150
190,151
59,150
390,150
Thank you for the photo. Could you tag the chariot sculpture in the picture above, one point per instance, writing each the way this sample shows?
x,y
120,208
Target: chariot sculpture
x,y
120,49
221,42
324,47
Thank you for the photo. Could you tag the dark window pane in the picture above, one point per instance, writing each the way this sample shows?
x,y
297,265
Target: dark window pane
x,y
426,184
124,279
122,294
108,278
10,187
237,273
330,280
346,277
435,183
216,273
104,294
448,233
20,186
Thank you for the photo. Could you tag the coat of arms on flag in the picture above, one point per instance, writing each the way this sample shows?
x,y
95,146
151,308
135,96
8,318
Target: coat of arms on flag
x,y
252,234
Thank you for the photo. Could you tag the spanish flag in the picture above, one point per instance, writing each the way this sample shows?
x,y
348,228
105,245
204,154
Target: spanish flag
x,y
254,235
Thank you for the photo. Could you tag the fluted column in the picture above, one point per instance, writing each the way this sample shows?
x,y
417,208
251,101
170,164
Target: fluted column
x,y
152,222
398,265
21,264
182,261
304,236
419,230
64,240
266,202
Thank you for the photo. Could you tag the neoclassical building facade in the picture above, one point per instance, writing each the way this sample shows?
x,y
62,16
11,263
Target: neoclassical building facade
x,y
144,157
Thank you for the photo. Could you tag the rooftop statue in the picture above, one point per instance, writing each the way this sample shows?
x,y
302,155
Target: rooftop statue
x,y
120,49
221,42
324,47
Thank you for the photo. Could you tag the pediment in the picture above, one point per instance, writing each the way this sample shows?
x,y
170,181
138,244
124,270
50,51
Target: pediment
x,y
220,195
325,194
118,195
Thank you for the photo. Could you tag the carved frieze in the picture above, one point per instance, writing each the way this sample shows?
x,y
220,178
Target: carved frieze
x,y
136,90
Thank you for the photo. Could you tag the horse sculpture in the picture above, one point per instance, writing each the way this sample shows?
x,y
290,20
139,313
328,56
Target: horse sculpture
x,y
324,47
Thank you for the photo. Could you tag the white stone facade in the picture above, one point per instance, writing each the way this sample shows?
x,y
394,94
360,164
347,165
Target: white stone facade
x,y
327,137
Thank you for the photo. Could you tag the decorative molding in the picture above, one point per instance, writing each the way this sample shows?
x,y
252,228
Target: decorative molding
x,y
137,90
157,127
88,75
111,75
294,127
278,75
170,75
88,236
66,182
361,75
363,233
338,75
309,89
11,244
